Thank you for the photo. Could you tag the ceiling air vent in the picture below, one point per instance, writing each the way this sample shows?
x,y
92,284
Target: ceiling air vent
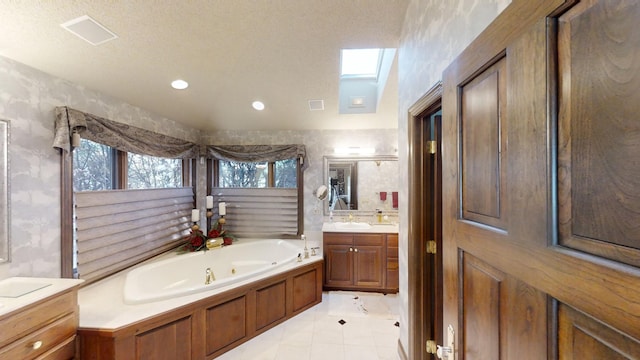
x,y
89,30
315,105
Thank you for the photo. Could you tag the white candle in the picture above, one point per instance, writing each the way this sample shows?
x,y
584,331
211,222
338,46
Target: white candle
x,y
222,209
209,202
195,215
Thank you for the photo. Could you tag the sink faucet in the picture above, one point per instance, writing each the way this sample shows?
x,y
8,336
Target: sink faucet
x,y
350,217
209,277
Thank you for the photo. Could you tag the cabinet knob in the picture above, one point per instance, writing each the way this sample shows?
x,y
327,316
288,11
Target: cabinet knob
x,y
36,345
356,250
350,249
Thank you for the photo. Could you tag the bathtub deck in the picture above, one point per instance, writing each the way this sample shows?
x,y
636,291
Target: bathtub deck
x,y
102,305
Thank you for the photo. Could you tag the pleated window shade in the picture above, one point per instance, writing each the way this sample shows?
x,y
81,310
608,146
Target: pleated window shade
x,y
119,228
260,212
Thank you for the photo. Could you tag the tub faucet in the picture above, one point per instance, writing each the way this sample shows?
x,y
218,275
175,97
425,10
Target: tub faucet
x,y
209,277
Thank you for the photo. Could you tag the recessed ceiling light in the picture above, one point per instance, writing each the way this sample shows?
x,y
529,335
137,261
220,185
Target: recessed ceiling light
x,y
179,84
258,105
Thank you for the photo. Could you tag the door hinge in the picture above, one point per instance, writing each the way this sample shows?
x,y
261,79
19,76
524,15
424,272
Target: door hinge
x,y
431,247
431,347
432,146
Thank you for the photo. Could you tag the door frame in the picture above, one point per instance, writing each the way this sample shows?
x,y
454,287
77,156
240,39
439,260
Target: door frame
x,y
418,289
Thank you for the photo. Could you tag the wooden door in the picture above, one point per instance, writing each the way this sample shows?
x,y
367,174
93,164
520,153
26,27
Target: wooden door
x,y
541,184
338,259
425,218
369,260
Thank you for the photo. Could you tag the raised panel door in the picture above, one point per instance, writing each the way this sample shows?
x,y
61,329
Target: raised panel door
x,y
167,342
369,266
558,276
338,265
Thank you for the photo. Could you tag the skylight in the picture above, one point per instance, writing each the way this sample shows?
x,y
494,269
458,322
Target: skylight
x,y
363,76
360,62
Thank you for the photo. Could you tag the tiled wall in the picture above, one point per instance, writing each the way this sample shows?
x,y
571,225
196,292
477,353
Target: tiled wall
x,y
434,33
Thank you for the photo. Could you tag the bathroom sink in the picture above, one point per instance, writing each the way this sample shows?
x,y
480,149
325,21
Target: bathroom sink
x,y
352,225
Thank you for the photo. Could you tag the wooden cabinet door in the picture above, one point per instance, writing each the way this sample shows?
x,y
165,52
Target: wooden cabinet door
x,y
338,265
369,259
167,342
541,197
369,266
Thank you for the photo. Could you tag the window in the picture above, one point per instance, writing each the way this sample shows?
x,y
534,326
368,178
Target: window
x,y
363,77
286,173
280,174
150,172
264,199
243,174
95,167
360,62
125,201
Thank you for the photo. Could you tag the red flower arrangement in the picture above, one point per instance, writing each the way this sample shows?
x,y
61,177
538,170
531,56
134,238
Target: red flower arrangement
x,y
218,232
197,240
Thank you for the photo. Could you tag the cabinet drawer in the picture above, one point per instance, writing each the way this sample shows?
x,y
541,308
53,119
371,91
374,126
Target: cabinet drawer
x,y
392,252
17,325
392,240
392,264
338,239
368,239
47,337
64,351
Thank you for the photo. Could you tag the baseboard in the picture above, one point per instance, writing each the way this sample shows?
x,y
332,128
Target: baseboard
x,y
401,352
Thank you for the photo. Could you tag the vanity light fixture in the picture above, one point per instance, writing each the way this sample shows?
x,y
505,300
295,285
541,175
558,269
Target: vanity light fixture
x,y
258,105
354,150
179,84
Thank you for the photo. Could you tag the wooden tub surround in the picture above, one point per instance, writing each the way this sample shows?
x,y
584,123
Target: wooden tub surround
x,y
203,326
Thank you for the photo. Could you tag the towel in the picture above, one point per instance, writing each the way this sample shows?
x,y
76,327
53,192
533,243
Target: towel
x,y
394,196
383,195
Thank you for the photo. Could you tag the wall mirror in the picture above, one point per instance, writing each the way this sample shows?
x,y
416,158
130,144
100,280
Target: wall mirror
x,y
4,192
360,183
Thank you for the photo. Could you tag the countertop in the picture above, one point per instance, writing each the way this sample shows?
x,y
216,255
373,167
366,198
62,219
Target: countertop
x,y
360,227
19,292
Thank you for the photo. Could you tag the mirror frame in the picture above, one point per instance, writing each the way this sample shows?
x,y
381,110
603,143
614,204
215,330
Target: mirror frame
x,y
348,159
5,240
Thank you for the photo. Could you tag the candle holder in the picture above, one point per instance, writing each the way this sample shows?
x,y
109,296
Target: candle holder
x,y
222,220
209,215
195,226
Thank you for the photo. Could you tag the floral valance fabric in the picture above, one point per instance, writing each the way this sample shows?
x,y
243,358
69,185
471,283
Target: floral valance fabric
x,y
256,153
118,135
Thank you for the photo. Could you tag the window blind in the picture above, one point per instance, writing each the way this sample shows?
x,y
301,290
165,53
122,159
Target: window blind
x,y
260,212
119,228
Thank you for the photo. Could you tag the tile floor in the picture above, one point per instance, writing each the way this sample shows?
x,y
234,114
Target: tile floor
x,y
369,331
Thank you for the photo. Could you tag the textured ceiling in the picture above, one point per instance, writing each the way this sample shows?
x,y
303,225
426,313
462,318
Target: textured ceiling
x,y
283,52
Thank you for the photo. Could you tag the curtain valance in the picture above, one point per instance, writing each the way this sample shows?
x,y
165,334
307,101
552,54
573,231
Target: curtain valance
x,y
255,153
118,135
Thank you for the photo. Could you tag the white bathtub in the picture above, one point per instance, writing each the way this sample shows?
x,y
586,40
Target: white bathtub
x,y
186,273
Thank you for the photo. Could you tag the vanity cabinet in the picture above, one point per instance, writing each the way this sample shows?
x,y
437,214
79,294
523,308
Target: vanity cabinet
x,y
45,330
359,261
